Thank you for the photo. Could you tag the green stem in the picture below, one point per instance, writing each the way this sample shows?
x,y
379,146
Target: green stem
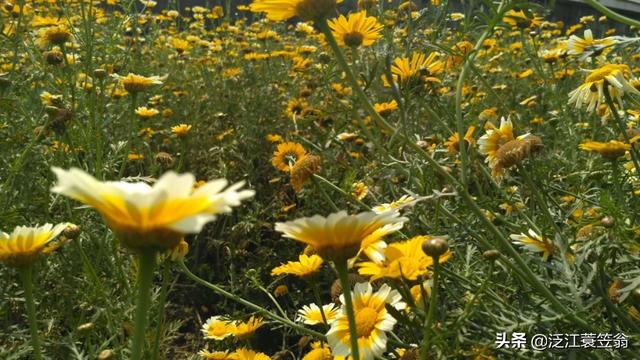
x,y
249,304
147,262
433,304
161,303
612,14
318,299
343,275
26,275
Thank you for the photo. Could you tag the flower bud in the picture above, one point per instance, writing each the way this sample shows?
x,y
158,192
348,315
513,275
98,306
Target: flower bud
x,y
435,247
491,255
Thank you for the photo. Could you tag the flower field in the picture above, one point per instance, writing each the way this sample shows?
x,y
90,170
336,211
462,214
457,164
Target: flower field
x,y
318,179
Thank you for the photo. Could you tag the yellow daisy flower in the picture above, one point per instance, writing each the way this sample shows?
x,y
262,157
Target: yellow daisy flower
x,y
372,321
286,155
403,259
305,266
534,242
181,130
319,351
356,30
338,236
245,330
310,314
591,91
246,354
418,66
136,83
588,46
155,216
610,150
490,143
146,113
217,329
24,244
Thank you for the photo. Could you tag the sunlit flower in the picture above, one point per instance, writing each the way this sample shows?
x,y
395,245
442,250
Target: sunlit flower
x,y
181,130
404,201
136,83
217,329
357,29
387,108
155,216
286,155
588,46
453,142
374,246
319,351
534,242
359,190
245,329
24,244
418,66
310,314
246,354
404,259
372,319
56,35
591,91
338,236
610,150
305,266
494,138
146,113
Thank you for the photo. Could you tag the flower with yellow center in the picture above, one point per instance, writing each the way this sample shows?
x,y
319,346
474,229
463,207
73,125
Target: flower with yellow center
x,y
245,330
146,113
181,130
490,143
610,150
374,246
154,217
305,266
308,10
217,329
23,246
404,259
56,35
418,66
311,315
356,30
404,201
372,321
534,242
217,355
136,83
588,46
387,108
453,142
359,190
319,351
591,92
246,354
286,155
337,237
